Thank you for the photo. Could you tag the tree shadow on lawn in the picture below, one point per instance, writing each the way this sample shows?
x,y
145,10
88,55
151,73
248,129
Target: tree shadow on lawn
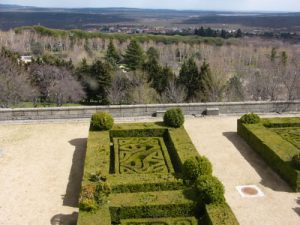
x,y
75,177
269,178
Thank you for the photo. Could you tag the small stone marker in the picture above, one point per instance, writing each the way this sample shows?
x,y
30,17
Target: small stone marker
x,y
249,191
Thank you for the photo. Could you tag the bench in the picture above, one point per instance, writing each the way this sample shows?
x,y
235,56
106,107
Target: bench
x,y
160,113
212,111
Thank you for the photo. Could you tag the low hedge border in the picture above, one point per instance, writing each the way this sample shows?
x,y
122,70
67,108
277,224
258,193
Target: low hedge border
x,y
219,214
276,151
164,220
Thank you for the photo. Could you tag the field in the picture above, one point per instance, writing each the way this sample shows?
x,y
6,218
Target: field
x,y
141,166
277,141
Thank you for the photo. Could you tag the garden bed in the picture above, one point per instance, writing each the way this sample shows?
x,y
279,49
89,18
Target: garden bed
x,y
142,163
277,141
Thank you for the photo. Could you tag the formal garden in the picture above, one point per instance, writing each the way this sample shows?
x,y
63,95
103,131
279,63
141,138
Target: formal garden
x,y
277,141
148,174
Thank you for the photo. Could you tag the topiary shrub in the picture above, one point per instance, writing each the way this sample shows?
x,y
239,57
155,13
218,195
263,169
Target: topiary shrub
x,y
102,121
174,117
195,167
296,161
210,189
250,118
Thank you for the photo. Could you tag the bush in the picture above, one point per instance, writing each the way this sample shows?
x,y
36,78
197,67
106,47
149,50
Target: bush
x,y
102,121
92,195
250,118
174,118
219,214
210,189
87,200
296,161
195,167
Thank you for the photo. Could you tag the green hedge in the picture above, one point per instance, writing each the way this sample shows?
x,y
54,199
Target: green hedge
x,y
164,220
219,214
138,133
151,211
277,152
147,187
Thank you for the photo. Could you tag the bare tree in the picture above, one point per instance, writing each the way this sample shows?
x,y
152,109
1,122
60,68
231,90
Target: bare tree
x,y
14,83
174,93
56,84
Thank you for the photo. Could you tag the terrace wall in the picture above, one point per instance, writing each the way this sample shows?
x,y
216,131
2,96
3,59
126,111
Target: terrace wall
x,y
148,110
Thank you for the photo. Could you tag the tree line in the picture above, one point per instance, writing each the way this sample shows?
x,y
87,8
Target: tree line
x,y
137,76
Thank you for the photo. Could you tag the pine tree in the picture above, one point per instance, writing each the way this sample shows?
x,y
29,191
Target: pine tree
x,y
101,73
239,33
134,57
284,58
189,77
112,55
206,82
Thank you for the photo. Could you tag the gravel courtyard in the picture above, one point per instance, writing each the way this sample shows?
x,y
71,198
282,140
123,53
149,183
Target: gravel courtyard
x,y
41,166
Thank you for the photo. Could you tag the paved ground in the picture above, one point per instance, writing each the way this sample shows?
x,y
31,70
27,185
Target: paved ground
x,y
41,167
236,164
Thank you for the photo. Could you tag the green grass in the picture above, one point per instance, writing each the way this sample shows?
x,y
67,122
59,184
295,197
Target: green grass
x,y
276,140
152,189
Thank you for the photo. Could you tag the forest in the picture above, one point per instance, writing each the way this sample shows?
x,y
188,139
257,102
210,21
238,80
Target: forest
x,y
93,68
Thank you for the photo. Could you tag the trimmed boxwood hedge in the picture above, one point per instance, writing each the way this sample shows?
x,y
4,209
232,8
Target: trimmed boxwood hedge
x,y
164,220
219,214
100,156
277,152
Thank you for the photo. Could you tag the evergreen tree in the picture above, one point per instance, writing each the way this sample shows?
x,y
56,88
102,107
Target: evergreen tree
x,y
206,82
101,74
284,58
239,33
189,78
234,89
112,55
134,57
152,66
273,54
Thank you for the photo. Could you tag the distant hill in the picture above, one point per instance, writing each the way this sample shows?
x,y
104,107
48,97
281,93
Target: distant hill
x,y
13,16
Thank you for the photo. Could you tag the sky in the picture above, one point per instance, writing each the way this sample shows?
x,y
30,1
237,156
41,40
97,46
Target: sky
x,y
234,5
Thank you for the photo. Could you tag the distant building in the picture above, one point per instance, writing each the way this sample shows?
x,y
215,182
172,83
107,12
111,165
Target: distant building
x,y
26,59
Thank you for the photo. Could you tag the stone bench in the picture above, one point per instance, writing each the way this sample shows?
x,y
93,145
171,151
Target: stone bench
x,y
160,113
212,111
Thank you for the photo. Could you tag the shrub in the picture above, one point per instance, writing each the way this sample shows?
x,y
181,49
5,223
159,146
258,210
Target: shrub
x,y
102,121
174,118
296,161
92,195
210,189
87,201
195,167
219,214
250,118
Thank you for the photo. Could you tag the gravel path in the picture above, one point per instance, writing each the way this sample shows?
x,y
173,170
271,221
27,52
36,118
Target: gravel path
x,y
40,172
235,164
41,166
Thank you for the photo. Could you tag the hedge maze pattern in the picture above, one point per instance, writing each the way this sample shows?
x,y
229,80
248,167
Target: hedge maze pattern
x,y
290,134
141,155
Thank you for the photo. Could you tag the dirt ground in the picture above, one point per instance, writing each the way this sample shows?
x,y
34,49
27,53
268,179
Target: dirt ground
x,y
41,169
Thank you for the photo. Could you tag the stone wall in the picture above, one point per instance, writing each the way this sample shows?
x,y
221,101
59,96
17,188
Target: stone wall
x,y
147,110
